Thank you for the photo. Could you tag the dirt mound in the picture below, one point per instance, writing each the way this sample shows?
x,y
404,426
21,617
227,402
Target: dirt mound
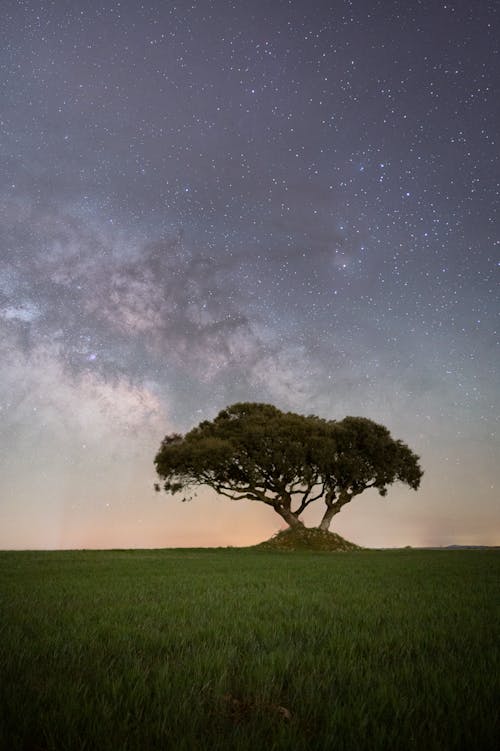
x,y
306,539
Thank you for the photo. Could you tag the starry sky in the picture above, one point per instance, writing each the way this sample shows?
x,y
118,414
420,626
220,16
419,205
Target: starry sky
x,y
207,202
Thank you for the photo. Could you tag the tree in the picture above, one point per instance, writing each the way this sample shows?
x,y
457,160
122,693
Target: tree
x,y
285,460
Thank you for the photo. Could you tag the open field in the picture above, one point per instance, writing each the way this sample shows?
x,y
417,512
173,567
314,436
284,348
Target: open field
x,y
238,649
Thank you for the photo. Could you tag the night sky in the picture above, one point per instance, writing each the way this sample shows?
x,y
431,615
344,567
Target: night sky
x,y
201,203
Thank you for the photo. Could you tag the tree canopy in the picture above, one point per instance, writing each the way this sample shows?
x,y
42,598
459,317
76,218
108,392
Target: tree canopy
x,y
287,461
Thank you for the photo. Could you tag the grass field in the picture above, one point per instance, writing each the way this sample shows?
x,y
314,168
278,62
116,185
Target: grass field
x,y
238,649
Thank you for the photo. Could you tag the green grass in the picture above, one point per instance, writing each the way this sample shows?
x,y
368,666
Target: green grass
x,y
199,649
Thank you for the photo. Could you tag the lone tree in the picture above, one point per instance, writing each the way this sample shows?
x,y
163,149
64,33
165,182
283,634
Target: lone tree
x,y
285,460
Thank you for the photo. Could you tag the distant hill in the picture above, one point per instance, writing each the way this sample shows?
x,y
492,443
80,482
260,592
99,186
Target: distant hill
x,y
446,547
472,547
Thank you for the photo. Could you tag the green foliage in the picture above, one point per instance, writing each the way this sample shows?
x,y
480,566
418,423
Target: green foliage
x,y
366,453
286,460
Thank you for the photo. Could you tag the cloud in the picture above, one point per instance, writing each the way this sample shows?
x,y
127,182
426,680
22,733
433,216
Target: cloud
x,y
102,312
128,305
43,403
26,312
81,277
118,309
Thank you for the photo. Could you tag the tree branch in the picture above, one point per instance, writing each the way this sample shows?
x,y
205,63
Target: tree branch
x,y
252,494
305,501
235,498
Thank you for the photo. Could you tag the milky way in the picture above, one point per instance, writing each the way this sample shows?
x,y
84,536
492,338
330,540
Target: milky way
x,y
211,202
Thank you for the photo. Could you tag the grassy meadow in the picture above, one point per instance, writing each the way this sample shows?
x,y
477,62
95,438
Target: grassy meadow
x,y
242,649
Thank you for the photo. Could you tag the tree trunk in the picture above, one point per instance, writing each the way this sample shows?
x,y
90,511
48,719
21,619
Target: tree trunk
x,y
290,518
327,518
332,509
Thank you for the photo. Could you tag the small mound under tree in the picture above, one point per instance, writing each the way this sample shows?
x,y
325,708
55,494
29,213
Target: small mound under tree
x,y
288,461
